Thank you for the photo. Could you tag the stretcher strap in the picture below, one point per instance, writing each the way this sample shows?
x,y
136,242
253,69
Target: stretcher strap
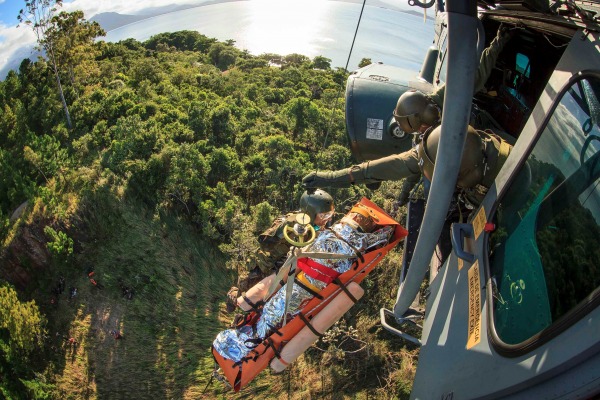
x,y
212,376
255,306
356,251
317,271
256,354
275,330
237,384
285,363
307,323
345,289
269,343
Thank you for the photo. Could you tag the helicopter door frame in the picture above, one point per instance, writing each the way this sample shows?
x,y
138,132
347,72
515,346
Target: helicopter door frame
x,y
459,357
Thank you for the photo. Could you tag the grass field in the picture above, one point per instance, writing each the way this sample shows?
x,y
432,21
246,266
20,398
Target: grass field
x,y
179,283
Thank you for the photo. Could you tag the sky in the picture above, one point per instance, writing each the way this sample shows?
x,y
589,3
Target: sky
x,y
17,43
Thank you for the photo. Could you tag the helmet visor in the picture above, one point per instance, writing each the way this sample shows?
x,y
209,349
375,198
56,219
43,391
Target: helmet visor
x,y
325,216
405,122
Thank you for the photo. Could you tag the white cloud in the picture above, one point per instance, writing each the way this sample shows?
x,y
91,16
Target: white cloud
x,y
15,44
93,7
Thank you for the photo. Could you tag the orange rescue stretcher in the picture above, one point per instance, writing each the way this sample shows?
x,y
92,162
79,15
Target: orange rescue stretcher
x,y
239,374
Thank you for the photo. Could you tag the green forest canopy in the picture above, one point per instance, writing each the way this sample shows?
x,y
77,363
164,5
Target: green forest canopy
x,y
181,124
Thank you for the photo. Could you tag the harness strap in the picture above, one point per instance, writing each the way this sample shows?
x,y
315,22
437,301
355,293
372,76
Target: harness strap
x,y
356,251
317,271
307,323
345,289
212,376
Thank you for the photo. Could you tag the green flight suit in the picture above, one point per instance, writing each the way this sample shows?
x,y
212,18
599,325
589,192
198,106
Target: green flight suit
x,y
273,247
486,63
408,165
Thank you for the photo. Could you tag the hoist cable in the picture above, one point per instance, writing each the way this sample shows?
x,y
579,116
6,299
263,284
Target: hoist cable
x,y
342,84
335,105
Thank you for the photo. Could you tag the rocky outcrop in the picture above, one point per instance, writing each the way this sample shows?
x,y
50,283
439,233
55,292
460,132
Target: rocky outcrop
x,y
25,255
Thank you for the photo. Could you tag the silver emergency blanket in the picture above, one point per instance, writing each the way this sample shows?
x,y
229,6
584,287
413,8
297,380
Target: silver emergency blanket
x,y
235,344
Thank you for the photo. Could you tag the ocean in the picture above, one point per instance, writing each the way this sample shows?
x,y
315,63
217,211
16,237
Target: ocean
x,y
310,27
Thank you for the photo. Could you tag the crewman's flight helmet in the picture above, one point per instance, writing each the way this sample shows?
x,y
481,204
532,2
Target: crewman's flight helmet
x,y
317,202
472,165
414,109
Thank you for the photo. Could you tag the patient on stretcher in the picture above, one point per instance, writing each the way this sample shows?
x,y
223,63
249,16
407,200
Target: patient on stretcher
x,y
353,235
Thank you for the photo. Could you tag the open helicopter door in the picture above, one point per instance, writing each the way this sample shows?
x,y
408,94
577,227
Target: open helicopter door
x,y
514,311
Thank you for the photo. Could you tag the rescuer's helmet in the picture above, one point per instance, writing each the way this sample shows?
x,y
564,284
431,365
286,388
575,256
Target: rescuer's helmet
x,y
317,203
414,109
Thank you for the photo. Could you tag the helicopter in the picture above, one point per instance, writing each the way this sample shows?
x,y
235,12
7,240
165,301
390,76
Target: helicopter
x,y
513,311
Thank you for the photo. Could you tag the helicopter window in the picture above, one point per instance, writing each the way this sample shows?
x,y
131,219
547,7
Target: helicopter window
x,y
545,252
523,66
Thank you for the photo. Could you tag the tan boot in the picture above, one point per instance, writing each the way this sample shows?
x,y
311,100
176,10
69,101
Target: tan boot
x,y
231,302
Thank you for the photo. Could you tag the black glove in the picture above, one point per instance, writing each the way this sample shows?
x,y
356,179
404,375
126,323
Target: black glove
x,y
373,185
339,178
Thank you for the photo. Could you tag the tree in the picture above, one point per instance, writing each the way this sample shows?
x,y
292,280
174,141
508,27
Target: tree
x,y
72,38
364,62
302,112
182,40
295,59
21,333
38,14
222,55
320,62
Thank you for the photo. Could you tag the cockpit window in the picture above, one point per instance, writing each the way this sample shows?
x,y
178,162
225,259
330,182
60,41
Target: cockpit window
x,y
545,252
523,66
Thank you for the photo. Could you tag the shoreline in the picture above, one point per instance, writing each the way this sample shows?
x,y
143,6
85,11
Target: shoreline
x,y
373,3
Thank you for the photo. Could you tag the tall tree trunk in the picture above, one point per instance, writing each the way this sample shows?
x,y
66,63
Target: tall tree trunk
x,y
60,90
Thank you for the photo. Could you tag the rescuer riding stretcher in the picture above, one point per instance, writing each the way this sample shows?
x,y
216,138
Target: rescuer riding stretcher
x,y
274,248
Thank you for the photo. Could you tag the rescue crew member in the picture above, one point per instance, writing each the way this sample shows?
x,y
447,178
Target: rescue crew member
x,y
416,111
483,156
273,248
